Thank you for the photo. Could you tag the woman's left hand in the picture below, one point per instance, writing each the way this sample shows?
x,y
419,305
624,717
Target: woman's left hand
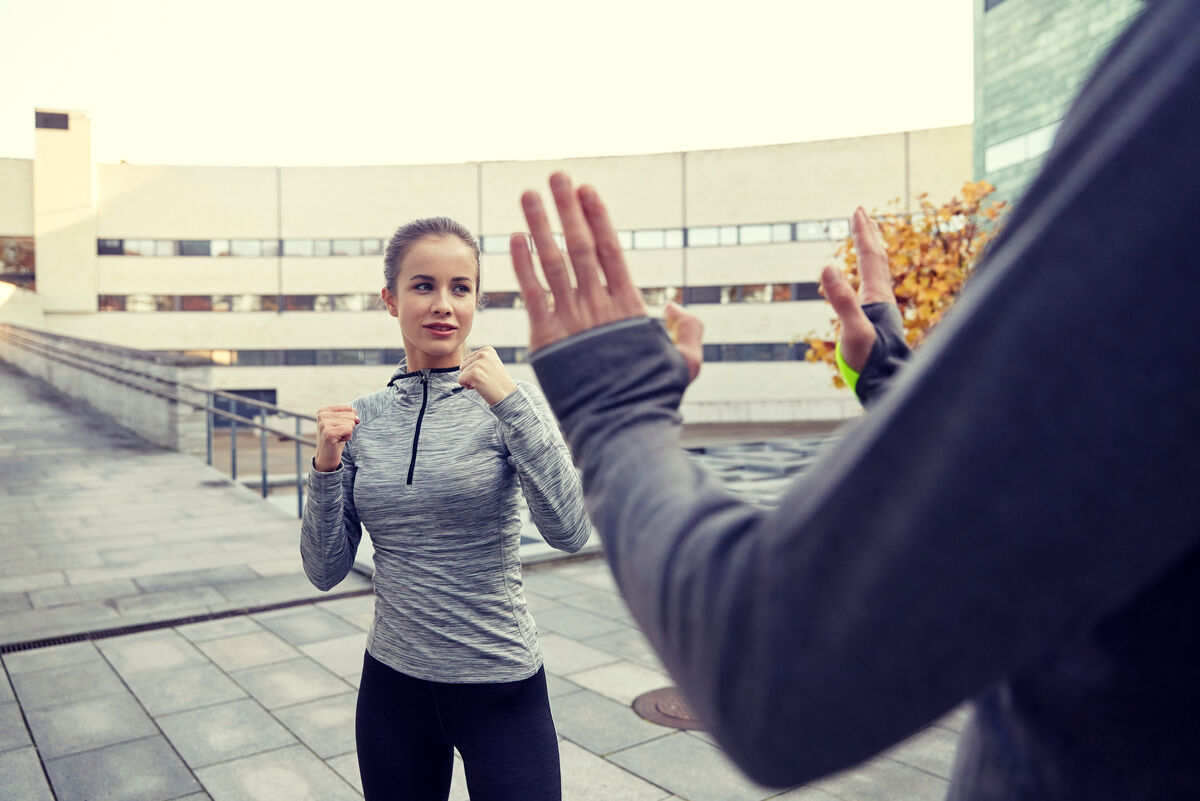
x,y
483,372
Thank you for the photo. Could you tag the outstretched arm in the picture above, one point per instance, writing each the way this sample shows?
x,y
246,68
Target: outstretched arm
x,y
959,531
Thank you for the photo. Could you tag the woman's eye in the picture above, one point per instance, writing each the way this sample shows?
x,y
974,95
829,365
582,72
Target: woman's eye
x,y
462,289
423,287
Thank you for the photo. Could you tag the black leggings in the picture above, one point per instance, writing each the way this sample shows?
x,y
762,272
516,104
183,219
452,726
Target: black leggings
x,y
407,729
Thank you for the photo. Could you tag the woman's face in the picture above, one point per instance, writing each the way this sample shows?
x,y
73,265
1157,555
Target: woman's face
x,y
434,299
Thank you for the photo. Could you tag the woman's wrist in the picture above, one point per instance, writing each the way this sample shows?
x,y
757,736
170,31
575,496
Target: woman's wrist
x,y
324,465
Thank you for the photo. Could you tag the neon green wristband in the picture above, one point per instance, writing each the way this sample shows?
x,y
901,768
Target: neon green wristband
x,y
849,374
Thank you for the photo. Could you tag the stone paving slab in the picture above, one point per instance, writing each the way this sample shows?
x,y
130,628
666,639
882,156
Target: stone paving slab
x,y
101,529
235,702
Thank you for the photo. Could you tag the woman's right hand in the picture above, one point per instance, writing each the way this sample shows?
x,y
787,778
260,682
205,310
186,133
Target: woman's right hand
x,y
335,426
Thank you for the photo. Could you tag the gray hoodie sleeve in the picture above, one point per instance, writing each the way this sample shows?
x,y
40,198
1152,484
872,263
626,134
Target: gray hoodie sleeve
x,y
330,530
548,478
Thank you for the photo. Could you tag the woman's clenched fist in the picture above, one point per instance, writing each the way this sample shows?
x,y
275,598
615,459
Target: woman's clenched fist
x,y
335,426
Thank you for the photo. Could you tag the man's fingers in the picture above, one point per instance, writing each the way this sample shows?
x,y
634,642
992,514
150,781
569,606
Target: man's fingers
x,y
608,249
580,245
550,257
876,274
688,332
841,297
858,334
531,288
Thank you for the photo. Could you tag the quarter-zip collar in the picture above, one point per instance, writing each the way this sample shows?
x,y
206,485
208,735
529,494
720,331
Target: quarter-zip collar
x,y
433,384
442,381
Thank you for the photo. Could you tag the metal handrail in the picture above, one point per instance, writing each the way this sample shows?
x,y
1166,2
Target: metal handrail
x,y
63,356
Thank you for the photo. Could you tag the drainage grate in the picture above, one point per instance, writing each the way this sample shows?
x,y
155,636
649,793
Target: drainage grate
x,y
102,634
666,707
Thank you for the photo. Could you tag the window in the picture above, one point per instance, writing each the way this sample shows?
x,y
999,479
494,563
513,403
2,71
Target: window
x,y
196,303
270,303
164,247
504,300
702,294
246,248
703,237
673,238
754,234
494,243
298,302
139,247
141,303
247,303
270,247
241,409
781,232
810,230
110,303
220,247
297,247
839,229
372,247
514,355
51,119
348,302
320,247
258,358
195,247
347,247
649,239
746,293
299,357
625,240
659,296
729,234
110,247
806,291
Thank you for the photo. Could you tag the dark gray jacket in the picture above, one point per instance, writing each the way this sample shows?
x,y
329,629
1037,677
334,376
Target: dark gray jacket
x,y
1014,521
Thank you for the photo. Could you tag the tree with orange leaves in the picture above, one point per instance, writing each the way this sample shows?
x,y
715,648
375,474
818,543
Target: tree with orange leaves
x,y
931,253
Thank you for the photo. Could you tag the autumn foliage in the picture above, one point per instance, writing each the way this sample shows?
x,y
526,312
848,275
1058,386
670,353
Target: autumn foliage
x,y
931,253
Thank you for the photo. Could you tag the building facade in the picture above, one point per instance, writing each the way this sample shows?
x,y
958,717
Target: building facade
x,y
1031,57
274,273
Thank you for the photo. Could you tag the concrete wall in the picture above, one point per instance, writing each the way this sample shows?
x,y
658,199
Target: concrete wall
x,y
101,377
782,183
64,218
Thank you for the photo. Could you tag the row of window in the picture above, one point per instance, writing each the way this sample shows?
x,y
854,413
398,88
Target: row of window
x,y
306,357
647,239
244,248
654,296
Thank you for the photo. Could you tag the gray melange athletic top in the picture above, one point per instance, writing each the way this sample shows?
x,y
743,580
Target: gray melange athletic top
x,y
434,473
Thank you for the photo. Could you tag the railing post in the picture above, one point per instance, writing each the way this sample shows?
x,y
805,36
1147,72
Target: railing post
x,y
299,481
233,441
262,421
208,428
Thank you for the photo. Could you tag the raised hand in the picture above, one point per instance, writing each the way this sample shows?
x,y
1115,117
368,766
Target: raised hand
x,y
483,372
335,426
686,330
875,286
603,291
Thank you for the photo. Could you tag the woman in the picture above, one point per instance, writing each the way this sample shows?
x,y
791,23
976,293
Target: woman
x,y
432,465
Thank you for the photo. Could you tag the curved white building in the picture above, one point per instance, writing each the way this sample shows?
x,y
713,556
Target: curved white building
x,y
274,272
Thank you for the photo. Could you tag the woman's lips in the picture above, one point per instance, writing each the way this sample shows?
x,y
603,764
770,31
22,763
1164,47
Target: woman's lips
x,y
441,330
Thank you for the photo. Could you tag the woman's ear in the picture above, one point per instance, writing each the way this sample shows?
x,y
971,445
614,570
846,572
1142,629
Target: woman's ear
x,y
389,300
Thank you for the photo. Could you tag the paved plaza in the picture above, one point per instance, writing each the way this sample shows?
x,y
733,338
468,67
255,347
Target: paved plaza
x,y
101,532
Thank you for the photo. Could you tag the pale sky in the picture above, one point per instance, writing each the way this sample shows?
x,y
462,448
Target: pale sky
x,y
399,82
